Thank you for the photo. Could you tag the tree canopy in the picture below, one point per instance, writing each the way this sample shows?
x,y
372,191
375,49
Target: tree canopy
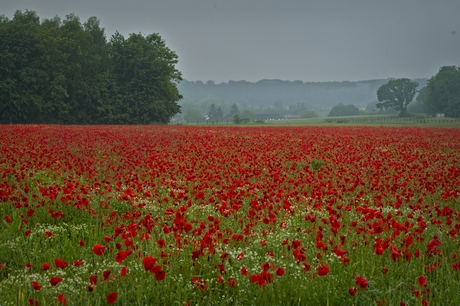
x,y
443,92
397,94
63,71
343,110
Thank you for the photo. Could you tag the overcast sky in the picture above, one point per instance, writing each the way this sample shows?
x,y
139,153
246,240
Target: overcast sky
x,y
307,40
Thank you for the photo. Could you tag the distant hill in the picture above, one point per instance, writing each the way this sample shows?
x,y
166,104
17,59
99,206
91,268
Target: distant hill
x,y
267,93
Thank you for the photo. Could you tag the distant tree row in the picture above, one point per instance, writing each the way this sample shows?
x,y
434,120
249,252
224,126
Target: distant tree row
x,y
288,94
63,71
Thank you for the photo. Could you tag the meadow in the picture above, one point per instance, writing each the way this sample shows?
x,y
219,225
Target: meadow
x,y
229,215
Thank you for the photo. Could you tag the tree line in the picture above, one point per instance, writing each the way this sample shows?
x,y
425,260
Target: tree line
x,y
63,71
441,95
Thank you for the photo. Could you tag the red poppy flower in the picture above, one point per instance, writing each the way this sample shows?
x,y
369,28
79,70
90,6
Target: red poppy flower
x,y
231,282
244,271
99,249
220,279
62,299
280,271
352,291
422,281
265,266
123,271
121,256
93,279
27,232
60,264
361,282
221,268
36,285
32,302
155,269
46,266
198,283
161,243
111,297
148,262
323,270
55,280
81,243
105,275
160,275
255,278
8,219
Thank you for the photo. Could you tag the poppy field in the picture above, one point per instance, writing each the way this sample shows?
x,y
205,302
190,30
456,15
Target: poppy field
x,y
188,215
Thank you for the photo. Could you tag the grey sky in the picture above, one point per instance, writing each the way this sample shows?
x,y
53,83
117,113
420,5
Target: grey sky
x,y
308,40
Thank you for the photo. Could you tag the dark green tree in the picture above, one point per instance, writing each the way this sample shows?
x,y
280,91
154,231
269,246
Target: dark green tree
x,y
343,110
420,106
248,115
213,113
194,115
146,77
309,114
219,113
21,74
233,110
443,92
236,119
397,94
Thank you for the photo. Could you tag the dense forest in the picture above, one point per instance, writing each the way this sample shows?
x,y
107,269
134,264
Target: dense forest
x,y
63,71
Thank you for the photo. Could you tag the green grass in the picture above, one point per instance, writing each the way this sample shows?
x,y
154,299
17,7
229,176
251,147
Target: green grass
x,y
384,120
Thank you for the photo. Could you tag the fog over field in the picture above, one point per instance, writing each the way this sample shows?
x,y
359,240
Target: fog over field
x,y
311,41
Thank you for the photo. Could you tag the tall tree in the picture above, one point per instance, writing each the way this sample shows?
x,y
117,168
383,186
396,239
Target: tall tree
x,y
443,92
145,72
233,110
212,114
343,110
397,94
21,74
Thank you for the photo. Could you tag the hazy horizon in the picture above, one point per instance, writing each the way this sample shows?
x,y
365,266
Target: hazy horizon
x,y
310,41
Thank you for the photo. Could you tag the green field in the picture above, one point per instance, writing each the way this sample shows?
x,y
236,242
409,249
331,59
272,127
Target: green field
x,y
384,120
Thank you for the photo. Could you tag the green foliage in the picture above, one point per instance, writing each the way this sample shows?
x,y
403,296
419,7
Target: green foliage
x,y
316,164
397,94
309,114
233,110
63,71
443,92
194,115
215,113
236,119
343,110
246,113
